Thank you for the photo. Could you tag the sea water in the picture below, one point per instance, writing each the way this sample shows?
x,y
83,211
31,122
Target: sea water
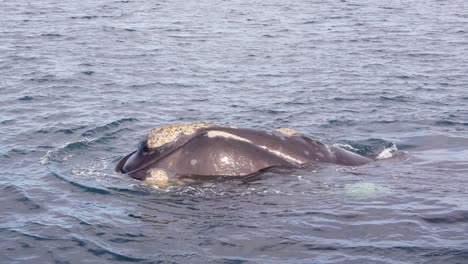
x,y
82,81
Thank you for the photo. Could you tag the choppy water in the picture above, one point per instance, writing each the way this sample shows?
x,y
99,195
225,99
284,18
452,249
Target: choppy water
x,y
82,81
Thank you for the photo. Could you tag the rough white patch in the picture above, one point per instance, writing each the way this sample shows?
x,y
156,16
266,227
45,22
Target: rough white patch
x,y
212,134
306,152
388,152
225,160
193,162
158,178
287,131
165,134
283,155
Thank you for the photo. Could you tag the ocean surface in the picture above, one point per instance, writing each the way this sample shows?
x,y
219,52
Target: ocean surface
x,y
82,81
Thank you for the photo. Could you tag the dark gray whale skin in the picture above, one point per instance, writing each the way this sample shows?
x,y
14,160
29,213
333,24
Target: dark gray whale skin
x,y
236,152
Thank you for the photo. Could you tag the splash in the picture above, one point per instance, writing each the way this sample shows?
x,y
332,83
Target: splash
x,y
387,152
44,160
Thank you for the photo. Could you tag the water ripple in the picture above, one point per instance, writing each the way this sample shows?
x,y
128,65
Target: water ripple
x,y
82,81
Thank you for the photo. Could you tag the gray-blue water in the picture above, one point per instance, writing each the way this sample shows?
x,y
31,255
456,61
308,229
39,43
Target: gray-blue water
x,y
81,82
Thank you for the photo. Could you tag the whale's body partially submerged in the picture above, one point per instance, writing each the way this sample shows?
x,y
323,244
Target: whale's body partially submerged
x,y
200,149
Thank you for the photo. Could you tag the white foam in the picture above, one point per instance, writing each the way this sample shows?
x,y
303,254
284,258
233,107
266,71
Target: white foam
x,y
94,170
366,190
51,153
388,152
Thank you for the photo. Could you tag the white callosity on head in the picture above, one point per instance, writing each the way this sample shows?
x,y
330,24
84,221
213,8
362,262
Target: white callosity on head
x,y
161,179
225,160
286,131
166,134
158,178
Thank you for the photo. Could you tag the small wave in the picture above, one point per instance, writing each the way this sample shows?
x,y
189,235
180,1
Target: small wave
x,y
86,162
345,99
108,126
92,189
70,145
84,17
338,122
88,72
456,217
26,98
398,98
69,131
90,174
224,189
450,123
53,35
18,198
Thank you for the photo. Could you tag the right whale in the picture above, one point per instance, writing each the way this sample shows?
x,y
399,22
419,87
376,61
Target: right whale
x,y
178,151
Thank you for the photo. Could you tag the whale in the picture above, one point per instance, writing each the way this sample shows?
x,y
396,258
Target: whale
x,y
169,153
